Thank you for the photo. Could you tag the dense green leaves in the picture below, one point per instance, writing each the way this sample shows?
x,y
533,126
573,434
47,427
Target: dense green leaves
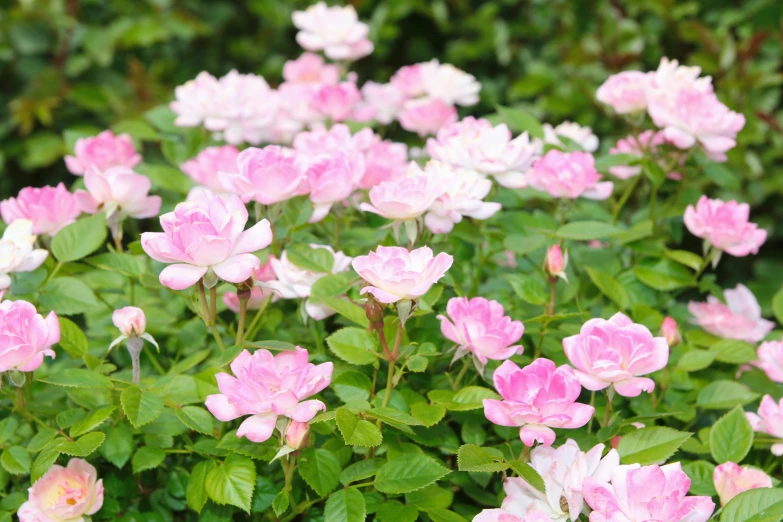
x,y
79,239
409,473
722,394
474,458
731,437
755,505
345,505
141,407
353,345
232,482
650,445
320,469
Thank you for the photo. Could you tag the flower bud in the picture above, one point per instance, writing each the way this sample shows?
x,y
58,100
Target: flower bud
x,y
670,331
297,435
130,321
373,310
556,262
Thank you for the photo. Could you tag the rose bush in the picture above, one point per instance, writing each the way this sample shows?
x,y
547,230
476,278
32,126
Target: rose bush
x,y
498,319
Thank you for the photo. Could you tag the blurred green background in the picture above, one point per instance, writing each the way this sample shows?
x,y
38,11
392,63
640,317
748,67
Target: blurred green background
x,y
69,67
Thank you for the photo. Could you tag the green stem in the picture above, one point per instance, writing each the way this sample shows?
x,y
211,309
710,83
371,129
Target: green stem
x,y
624,198
213,304
153,359
218,340
241,325
608,408
251,329
57,268
389,386
460,375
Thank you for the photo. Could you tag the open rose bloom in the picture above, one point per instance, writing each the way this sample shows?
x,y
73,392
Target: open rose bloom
x,y
731,479
103,152
725,226
568,175
258,294
64,494
267,386
118,190
770,359
463,197
269,175
407,197
769,420
25,336
739,318
17,252
334,30
49,208
204,169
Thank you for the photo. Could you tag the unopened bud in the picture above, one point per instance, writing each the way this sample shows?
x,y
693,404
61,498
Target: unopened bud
x,y
297,435
556,262
373,310
670,331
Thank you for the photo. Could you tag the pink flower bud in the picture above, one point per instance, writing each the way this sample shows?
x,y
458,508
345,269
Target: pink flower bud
x,y
556,262
670,331
297,435
130,320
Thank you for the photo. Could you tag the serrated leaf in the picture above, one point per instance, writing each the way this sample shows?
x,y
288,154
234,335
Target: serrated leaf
x,y
428,414
731,437
686,258
360,470
755,505
696,360
40,440
91,421
733,352
147,457
140,407
280,503
196,493
353,345
445,515
245,447
409,473
395,511
650,445
78,378
528,474
473,458
345,505
392,417
417,363
79,239
232,482
16,460
777,305
72,338
197,419
320,469
318,260
83,446
610,287
724,394
357,432
45,459
471,398
352,386
530,288
663,274
118,446
701,474
67,296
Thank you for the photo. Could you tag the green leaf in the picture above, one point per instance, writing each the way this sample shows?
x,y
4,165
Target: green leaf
x,y
684,257
409,473
91,421
777,305
332,285
696,360
428,414
140,407
318,260
357,432
197,419
731,437
345,505
528,474
396,418
79,239
196,493
522,244
445,515
654,172
360,470
733,351
83,446
72,338
245,447
67,296
16,460
352,386
395,511
721,175
353,345
724,394
347,309
232,482
118,446
603,163
701,474
471,398
587,230
755,505
417,363
320,469
663,274
45,459
147,457
78,378
650,445
280,502
40,440
610,287
165,177
473,458
519,120
125,264
531,289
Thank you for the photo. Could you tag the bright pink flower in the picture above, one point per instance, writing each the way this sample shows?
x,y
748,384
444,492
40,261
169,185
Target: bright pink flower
x,y
118,190
26,336
394,273
102,152
386,100
258,294
582,136
337,102
555,262
265,387
500,515
568,175
64,494
49,208
625,92
297,435
538,397
427,116
406,197
408,80
204,168
269,175
645,494
482,328
740,318
130,321
770,359
310,68
616,352
769,420
464,196
670,331
730,480
206,234
332,178
725,226
384,161
334,30
649,140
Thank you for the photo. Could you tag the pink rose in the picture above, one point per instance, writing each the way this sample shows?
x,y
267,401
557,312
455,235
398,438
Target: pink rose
x,y
266,386
118,190
130,321
646,493
258,294
730,480
385,100
332,178
615,353
204,168
310,68
568,175
102,152
582,136
670,331
481,328
769,420
26,336
334,30
464,195
740,318
725,226
336,102
538,397
770,359
384,161
555,262
64,494
408,80
500,515
406,197
206,234
426,116
625,91
49,208
393,273
444,82
269,175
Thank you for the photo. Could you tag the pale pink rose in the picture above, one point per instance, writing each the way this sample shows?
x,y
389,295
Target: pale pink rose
x,y
386,100
394,273
130,321
408,80
204,168
26,336
740,318
64,494
406,197
49,208
725,226
646,493
625,92
295,113
266,386
332,178
500,515
334,30
770,359
384,161
555,262
464,196
310,68
481,328
670,331
616,352
671,77
563,470
269,175
258,294
294,282
204,235
297,435
17,253
118,190
336,102
636,145
582,136
102,152
568,175
426,116
448,84
327,141
537,398
769,420
730,480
